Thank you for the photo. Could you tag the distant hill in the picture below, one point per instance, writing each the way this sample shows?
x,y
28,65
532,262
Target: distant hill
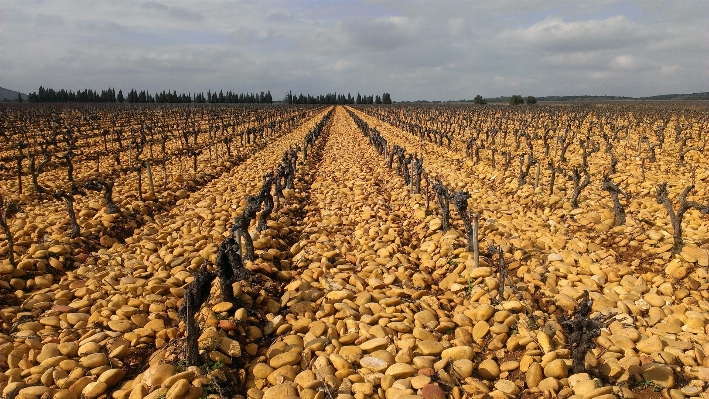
x,y
679,97
10,95
663,97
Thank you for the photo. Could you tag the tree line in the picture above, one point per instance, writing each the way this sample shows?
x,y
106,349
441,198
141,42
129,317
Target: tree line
x,y
334,98
514,100
48,95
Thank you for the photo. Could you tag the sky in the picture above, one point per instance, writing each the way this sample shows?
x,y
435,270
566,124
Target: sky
x,y
415,50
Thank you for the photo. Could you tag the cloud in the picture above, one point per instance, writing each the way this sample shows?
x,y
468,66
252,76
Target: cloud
x,y
626,61
554,34
174,12
44,21
414,49
381,34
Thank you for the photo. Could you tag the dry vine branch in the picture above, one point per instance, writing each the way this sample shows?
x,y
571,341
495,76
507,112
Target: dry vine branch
x,y
69,200
8,210
677,216
579,185
107,187
614,190
581,330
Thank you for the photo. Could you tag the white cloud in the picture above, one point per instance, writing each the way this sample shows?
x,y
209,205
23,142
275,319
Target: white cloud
x,y
668,70
625,61
413,49
555,34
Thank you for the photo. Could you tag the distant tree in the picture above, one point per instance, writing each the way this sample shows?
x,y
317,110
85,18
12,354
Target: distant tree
x,y
516,100
378,100
133,96
359,99
120,97
19,98
479,100
530,100
386,98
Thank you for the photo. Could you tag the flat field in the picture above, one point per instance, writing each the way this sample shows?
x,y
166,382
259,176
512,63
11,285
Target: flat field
x,y
397,251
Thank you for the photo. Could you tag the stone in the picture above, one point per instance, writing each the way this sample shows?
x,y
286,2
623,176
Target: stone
x,y
557,369
425,317
507,387
400,370
34,392
155,375
374,344
222,307
227,325
280,391
185,375
654,300
178,390
598,391
112,377
488,369
340,363
364,388
121,325
458,352
94,390
420,381
578,378
509,365
480,330
483,312
375,364
430,348
435,224
650,345
339,296
230,347
660,374
94,360
677,269
534,375
463,368
549,384
584,387
398,393
262,370
691,390
285,359
431,391
13,388
283,374
307,380
565,302
74,318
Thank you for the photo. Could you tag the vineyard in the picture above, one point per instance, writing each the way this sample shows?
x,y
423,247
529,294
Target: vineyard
x,y
363,251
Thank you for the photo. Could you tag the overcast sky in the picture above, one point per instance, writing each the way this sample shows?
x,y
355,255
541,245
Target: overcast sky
x,y
431,50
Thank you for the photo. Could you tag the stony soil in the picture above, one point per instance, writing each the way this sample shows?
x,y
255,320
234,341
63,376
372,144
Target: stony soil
x,y
357,293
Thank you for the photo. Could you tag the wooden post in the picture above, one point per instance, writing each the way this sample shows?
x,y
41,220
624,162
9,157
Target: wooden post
x,y
192,347
476,243
150,180
536,175
502,274
19,174
427,191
